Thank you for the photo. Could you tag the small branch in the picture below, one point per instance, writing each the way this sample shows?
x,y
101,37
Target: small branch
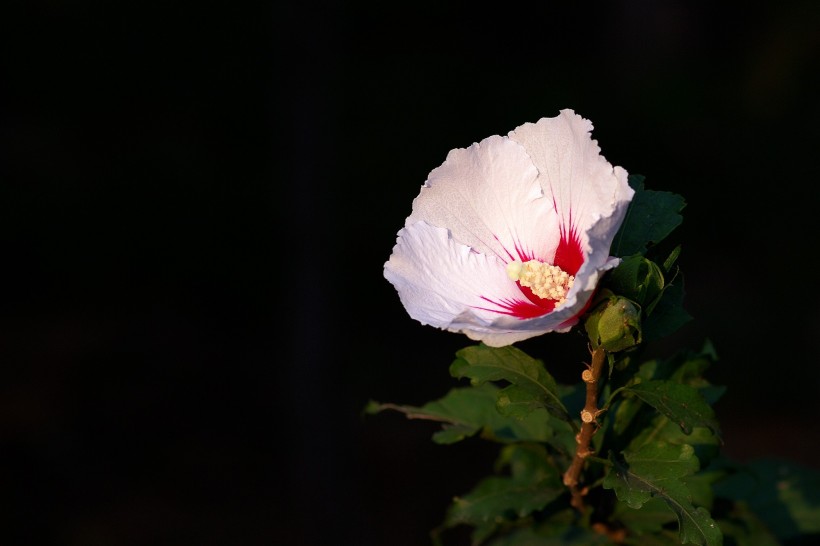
x,y
588,428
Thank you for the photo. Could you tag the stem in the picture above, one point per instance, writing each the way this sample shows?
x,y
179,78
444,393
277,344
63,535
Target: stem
x,y
612,396
588,428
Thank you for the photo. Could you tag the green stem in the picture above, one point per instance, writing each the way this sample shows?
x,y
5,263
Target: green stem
x,y
612,397
599,460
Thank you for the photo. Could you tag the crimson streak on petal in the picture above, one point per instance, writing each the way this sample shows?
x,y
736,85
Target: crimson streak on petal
x,y
520,308
568,255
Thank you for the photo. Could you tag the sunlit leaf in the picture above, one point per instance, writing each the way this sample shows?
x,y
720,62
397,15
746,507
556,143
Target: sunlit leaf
x,y
653,468
681,403
481,363
516,401
465,411
656,471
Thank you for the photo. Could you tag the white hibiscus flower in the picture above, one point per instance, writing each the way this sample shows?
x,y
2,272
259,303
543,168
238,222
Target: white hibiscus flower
x,y
508,238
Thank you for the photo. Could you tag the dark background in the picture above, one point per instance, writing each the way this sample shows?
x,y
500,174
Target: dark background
x,y
197,200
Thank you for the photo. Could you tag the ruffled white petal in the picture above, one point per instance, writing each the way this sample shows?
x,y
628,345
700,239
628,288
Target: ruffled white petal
x,y
572,172
439,279
445,284
601,232
488,197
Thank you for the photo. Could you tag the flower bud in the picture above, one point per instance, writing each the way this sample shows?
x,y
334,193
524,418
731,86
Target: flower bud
x,y
615,325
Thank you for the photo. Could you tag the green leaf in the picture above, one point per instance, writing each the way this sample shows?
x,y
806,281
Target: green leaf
x,y
650,470
533,482
681,403
661,428
652,215
628,408
638,423
689,370
783,494
481,363
465,411
514,401
656,471
651,517
668,314
745,528
500,496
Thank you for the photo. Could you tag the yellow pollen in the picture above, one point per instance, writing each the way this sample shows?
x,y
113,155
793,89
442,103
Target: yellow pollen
x,y
544,280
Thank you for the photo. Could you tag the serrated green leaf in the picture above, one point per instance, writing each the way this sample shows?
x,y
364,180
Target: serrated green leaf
x,y
517,402
642,424
465,411
481,363
656,470
783,494
629,406
661,428
681,403
650,518
450,434
652,215
532,483
650,469
500,497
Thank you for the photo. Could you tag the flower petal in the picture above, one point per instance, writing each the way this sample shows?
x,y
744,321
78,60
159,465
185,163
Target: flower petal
x,y
438,278
488,197
580,183
445,284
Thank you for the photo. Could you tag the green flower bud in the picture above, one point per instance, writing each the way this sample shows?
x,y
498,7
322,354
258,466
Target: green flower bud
x,y
615,325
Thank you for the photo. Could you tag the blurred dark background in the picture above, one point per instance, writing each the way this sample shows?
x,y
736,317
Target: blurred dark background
x,y
196,201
